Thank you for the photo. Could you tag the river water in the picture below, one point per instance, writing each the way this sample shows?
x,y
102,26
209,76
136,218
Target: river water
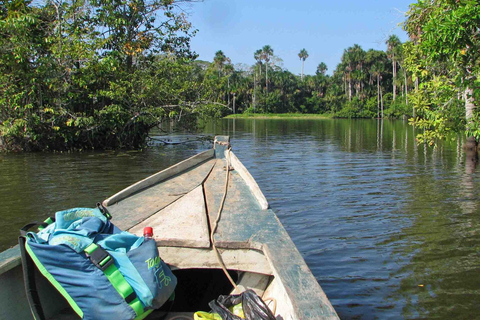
x,y
391,230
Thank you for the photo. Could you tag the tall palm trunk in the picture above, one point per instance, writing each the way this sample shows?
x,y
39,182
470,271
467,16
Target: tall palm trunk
x,y
349,89
416,89
406,87
381,101
394,67
254,90
228,91
378,95
266,76
303,64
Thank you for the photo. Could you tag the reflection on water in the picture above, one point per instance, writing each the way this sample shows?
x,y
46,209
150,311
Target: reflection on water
x,y
35,186
389,229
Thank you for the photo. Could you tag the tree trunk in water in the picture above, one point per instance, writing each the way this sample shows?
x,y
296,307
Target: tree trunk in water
x,y
471,154
471,144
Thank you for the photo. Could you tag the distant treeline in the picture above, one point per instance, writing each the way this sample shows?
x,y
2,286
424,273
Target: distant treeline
x,y
366,84
101,74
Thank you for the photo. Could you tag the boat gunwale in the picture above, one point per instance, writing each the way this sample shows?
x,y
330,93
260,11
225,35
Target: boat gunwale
x,y
160,176
249,180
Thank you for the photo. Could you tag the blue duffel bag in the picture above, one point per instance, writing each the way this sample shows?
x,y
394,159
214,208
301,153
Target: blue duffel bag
x,y
103,272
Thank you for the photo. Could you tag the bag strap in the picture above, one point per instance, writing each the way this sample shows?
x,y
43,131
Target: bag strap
x,y
30,283
46,223
104,211
41,225
104,261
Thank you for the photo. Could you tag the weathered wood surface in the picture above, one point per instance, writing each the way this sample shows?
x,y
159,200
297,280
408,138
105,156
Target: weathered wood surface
x,y
248,179
9,259
181,224
139,206
160,176
195,258
214,187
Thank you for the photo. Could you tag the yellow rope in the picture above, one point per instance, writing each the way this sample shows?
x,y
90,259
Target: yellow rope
x,y
220,209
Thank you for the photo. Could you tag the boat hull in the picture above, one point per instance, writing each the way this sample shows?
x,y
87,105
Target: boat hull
x,y
207,213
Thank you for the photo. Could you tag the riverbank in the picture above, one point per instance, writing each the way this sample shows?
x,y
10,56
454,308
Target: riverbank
x,y
279,116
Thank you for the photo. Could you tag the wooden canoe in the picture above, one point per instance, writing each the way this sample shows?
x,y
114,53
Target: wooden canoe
x,y
210,196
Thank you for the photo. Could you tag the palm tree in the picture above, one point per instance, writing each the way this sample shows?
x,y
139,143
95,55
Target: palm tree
x,y
303,55
357,56
393,44
321,68
353,59
347,68
375,67
267,53
376,61
219,61
224,67
321,79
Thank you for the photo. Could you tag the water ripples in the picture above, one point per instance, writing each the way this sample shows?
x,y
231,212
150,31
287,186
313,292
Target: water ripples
x,y
390,230
375,226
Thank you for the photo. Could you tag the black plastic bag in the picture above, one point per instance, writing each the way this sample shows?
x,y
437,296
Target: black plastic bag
x,y
253,306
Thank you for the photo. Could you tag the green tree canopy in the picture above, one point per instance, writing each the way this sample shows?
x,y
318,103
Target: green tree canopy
x,y
445,56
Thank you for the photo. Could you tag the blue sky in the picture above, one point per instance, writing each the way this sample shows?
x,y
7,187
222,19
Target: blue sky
x,y
323,28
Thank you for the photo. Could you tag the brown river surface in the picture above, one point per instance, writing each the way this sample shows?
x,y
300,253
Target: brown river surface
x,y
391,230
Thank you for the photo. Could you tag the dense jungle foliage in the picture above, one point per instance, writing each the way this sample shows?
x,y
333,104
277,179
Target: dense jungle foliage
x,y
95,74
100,74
